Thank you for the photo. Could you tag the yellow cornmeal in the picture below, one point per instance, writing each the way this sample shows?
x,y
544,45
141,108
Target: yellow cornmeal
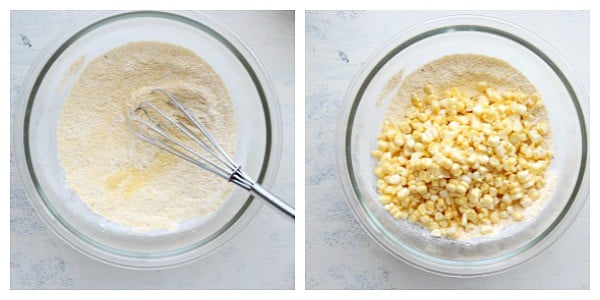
x,y
462,161
116,174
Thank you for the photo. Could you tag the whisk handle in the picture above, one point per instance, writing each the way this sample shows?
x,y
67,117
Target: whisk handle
x,y
285,208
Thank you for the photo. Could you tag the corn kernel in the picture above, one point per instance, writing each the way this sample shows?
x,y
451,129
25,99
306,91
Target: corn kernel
x,y
522,175
470,227
421,189
440,205
526,201
439,216
461,189
412,218
394,179
403,193
464,221
399,141
385,199
471,215
487,202
458,160
517,216
486,229
495,217
428,89
451,187
534,195
436,233
419,147
389,189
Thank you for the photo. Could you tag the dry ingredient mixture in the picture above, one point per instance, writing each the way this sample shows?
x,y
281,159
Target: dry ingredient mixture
x,y
121,177
464,148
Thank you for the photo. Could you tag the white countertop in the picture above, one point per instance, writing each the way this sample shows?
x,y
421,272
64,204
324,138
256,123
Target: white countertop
x,y
260,257
339,253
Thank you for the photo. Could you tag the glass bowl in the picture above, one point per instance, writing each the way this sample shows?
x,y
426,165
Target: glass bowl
x,y
46,87
361,119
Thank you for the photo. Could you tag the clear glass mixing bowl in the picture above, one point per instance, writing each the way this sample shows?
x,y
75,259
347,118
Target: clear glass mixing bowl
x,y
361,119
46,87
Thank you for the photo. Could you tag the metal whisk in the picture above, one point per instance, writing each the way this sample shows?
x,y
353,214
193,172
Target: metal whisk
x,y
222,165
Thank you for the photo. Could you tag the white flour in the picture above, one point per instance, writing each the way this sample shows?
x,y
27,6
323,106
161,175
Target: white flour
x,y
121,177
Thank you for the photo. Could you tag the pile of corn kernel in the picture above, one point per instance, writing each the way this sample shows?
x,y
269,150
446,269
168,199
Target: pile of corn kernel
x,y
459,164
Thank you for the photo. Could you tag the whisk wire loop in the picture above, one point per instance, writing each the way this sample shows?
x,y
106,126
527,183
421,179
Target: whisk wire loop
x,y
161,143
224,167
199,125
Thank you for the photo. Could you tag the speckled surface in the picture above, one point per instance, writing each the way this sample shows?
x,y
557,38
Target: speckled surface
x,y
260,257
339,253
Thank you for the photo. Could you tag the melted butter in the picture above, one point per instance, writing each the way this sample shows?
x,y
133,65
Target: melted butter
x,y
131,179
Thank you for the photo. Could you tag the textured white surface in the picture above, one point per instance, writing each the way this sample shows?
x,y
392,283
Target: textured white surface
x,y
339,253
260,257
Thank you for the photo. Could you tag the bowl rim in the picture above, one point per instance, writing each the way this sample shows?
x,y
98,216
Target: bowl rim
x,y
107,254
352,98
